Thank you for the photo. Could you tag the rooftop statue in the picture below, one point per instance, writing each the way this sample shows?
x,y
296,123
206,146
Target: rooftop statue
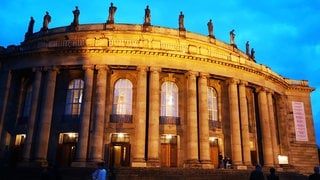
x,y
75,23
112,11
181,22
252,54
232,36
147,17
247,48
30,27
46,21
210,28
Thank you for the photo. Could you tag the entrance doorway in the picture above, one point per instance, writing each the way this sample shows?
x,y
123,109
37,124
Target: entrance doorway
x,y
214,152
120,150
66,148
169,149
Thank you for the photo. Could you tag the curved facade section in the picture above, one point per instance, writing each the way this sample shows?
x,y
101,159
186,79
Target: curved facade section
x,y
148,96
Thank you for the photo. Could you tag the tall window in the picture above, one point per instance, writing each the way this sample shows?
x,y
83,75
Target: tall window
x,y
27,102
169,99
122,97
74,97
212,104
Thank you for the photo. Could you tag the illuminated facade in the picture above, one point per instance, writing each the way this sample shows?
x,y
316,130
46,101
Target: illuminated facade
x,y
148,96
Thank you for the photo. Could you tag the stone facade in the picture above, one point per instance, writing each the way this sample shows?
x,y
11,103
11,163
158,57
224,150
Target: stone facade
x,y
255,116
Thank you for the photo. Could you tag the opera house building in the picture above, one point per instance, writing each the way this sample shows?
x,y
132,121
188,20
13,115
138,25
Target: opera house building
x,y
140,95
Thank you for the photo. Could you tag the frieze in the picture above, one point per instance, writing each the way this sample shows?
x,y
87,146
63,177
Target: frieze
x,y
68,43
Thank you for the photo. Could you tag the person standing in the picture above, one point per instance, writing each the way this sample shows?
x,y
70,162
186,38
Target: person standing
x,y
257,174
315,175
272,175
100,173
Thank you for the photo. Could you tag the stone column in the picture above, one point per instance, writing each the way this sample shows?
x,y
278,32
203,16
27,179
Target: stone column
x,y
21,98
265,127
273,129
244,124
96,153
140,123
192,126
45,118
236,148
4,87
154,114
82,147
204,120
33,114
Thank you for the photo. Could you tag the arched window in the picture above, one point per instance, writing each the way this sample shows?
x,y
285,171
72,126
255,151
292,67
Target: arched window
x,y
212,104
169,99
74,97
122,97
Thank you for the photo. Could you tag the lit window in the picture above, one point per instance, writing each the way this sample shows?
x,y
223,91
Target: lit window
x,y
169,99
212,104
20,139
122,97
74,97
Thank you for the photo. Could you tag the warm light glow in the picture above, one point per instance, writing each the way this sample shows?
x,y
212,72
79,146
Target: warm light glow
x,y
120,135
71,135
213,138
168,136
283,159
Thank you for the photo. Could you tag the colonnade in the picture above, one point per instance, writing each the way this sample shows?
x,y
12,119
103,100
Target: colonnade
x,y
198,150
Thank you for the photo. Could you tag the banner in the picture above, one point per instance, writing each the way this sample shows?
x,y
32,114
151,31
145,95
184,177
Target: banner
x,y
299,121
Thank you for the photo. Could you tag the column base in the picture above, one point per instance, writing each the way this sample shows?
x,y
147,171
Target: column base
x,y
207,164
153,163
79,164
138,162
240,167
192,163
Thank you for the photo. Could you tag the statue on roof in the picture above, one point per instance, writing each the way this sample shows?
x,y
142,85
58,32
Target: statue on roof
x,y
252,54
147,17
46,21
247,48
232,36
30,27
210,28
112,11
181,22
75,23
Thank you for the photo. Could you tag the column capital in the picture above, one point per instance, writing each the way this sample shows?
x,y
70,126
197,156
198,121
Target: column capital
x,y
88,66
232,81
261,89
142,68
204,75
37,69
243,83
51,68
155,69
191,73
101,67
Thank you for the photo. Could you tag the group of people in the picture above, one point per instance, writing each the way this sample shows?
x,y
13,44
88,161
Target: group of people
x,y
257,174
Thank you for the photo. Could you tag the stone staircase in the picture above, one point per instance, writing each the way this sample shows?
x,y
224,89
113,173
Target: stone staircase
x,y
142,174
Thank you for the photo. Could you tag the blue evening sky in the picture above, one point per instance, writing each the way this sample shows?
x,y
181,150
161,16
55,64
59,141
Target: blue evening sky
x,y
284,33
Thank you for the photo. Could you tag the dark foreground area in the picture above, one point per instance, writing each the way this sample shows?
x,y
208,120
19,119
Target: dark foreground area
x,y
139,174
